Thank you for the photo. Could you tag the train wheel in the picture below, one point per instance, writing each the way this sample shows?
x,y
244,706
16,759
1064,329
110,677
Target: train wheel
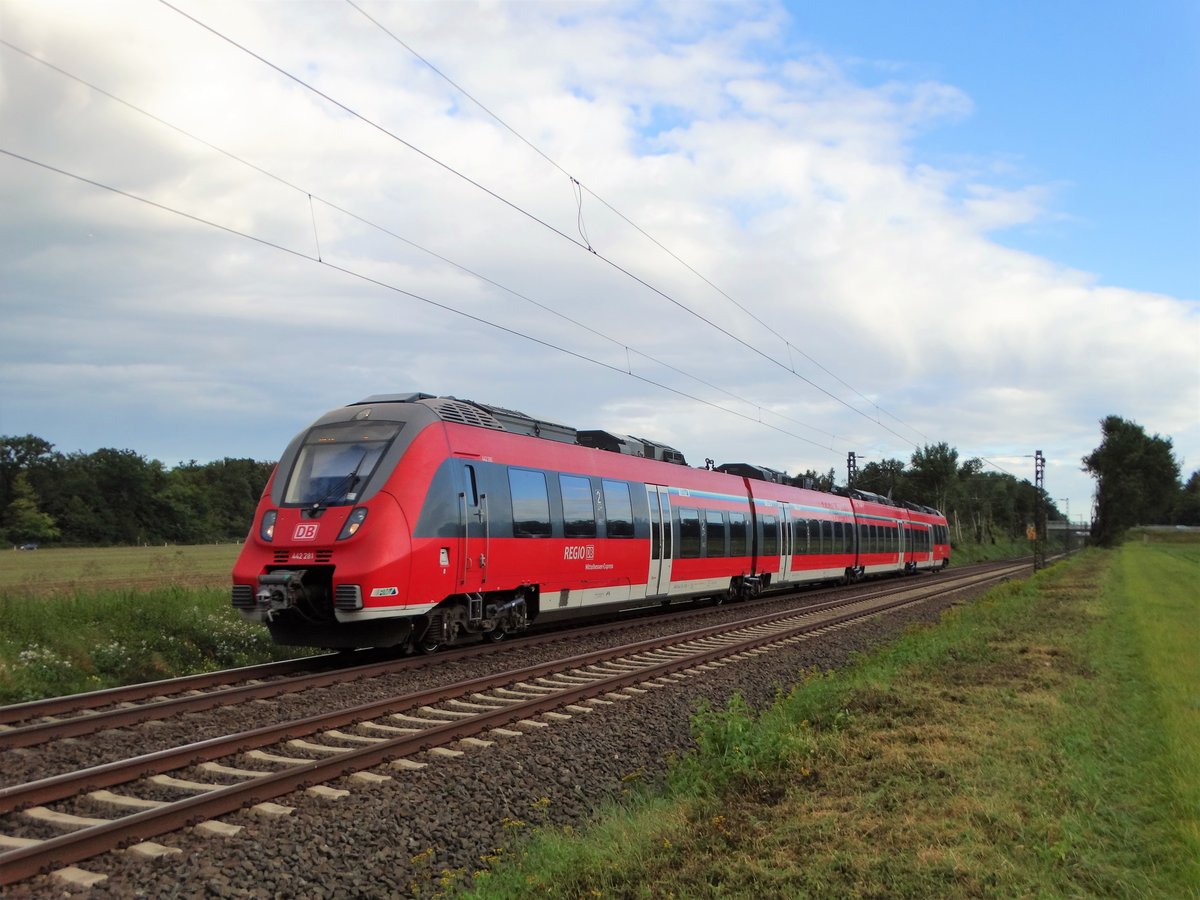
x,y
428,645
495,636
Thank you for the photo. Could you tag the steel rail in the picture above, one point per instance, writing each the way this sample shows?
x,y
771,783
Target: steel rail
x,y
25,862
57,787
91,700
90,722
52,706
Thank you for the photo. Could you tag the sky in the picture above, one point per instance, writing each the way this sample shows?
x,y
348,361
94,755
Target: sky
x,y
757,232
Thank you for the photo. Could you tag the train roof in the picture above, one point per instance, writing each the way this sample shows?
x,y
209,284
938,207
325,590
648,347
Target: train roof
x,y
870,497
758,473
498,418
888,501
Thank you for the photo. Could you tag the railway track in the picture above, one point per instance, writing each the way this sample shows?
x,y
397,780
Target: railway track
x,y
77,715
188,785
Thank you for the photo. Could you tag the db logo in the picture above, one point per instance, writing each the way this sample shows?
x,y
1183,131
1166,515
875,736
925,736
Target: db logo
x,y
305,531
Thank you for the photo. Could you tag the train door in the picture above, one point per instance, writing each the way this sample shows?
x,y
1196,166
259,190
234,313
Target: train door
x,y
786,549
475,532
658,580
770,558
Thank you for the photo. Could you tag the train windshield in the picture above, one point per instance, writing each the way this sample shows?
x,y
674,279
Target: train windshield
x,y
336,462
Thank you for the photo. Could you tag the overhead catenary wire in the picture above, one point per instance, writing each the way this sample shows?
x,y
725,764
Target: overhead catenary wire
x,y
362,276
318,258
299,254
517,208
579,188
311,198
627,370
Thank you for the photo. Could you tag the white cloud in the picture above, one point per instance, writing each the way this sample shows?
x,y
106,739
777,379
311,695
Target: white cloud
x,y
786,182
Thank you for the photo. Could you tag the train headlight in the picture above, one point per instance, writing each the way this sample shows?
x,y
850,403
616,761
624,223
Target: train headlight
x,y
353,523
266,530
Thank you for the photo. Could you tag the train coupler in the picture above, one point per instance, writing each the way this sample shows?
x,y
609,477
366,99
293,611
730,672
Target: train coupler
x,y
279,590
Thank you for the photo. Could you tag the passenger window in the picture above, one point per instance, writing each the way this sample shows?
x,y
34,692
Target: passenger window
x,y
579,512
738,545
689,534
530,503
618,509
714,523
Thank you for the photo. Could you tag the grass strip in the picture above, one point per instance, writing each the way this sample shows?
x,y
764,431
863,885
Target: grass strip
x,y
1158,583
99,639
1037,742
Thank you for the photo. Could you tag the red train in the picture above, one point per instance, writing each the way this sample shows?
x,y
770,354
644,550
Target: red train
x,y
416,520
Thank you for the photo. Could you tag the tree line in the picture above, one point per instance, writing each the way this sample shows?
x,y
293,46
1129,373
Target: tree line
x,y
120,497
1138,482
982,507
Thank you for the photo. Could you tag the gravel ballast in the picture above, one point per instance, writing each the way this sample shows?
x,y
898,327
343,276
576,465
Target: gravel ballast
x,y
399,836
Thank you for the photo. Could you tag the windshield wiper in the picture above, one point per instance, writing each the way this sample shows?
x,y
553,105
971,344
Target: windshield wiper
x,y
343,484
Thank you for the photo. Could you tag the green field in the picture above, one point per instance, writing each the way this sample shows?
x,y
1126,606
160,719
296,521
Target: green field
x,y
63,571
1044,741
84,619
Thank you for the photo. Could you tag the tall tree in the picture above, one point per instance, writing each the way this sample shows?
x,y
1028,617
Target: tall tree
x,y
17,455
23,521
1187,512
934,470
885,478
1137,478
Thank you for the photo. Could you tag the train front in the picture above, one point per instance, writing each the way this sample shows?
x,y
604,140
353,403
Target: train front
x,y
327,560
